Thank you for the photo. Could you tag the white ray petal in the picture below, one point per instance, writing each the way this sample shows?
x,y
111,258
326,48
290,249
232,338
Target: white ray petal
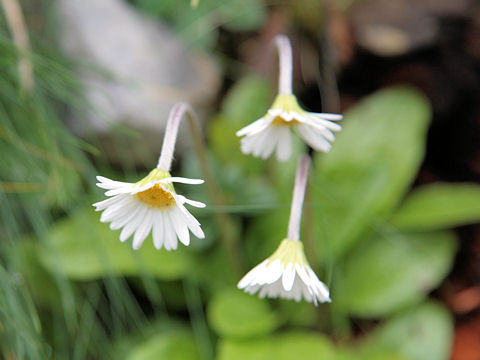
x,y
108,202
120,222
181,180
332,117
260,123
170,234
288,277
185,200
128,230
284,146
180,226
157,231
143,230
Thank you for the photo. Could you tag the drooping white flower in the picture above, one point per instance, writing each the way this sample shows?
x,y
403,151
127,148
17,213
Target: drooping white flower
x,y
272,132
151,204
286,274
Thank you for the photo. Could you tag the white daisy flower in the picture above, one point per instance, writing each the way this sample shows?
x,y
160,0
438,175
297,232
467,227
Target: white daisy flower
x,y
151,204
286,274
272,132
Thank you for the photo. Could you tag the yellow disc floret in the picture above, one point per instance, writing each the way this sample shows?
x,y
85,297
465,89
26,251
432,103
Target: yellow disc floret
x,y
279,121
286,103
157,195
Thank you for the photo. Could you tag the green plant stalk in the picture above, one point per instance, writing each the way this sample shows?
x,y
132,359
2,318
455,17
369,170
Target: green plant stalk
x,y
197,316
18,29
224,221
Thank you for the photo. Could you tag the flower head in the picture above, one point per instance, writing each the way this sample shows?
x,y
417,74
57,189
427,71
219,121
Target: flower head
x,y
272,132
286,274
150,204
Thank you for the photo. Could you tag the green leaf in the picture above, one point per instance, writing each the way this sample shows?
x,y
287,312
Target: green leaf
x,y
289,346
246,102
256,349
303,345
244,15
439,206
423,333
34,273
176,345
235,314
85,249
265,234
388,273
370,166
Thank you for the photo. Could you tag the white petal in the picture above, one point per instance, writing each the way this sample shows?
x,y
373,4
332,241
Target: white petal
x,y
287,115
184,200
288,277
274,272
275,112
261,139
130,213
320,130
181,180
123,190
180,226
284,146
129,228
192,223
257,124
328,124
116,210
108,202
333,117
268,147
318,143
157,232
170,234
252,274
143,230
106,183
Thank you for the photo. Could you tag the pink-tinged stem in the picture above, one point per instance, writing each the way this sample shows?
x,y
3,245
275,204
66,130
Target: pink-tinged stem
x,y
284,48
298,197
224,221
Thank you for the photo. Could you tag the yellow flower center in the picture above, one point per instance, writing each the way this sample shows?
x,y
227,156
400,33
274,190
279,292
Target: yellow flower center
x,y
279,121
156,197
286,103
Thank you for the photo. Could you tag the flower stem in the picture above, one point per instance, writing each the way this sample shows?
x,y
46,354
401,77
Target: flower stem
x,y
224,222
170,137
284,48
298,197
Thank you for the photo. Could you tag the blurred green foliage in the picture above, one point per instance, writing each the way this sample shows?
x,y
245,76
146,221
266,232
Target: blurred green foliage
x,y
70,290
200,27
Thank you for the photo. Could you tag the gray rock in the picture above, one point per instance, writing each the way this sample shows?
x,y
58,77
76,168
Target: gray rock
x,y
134,67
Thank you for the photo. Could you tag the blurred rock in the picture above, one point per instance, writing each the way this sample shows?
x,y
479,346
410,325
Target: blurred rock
x,y
134,67
394,27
